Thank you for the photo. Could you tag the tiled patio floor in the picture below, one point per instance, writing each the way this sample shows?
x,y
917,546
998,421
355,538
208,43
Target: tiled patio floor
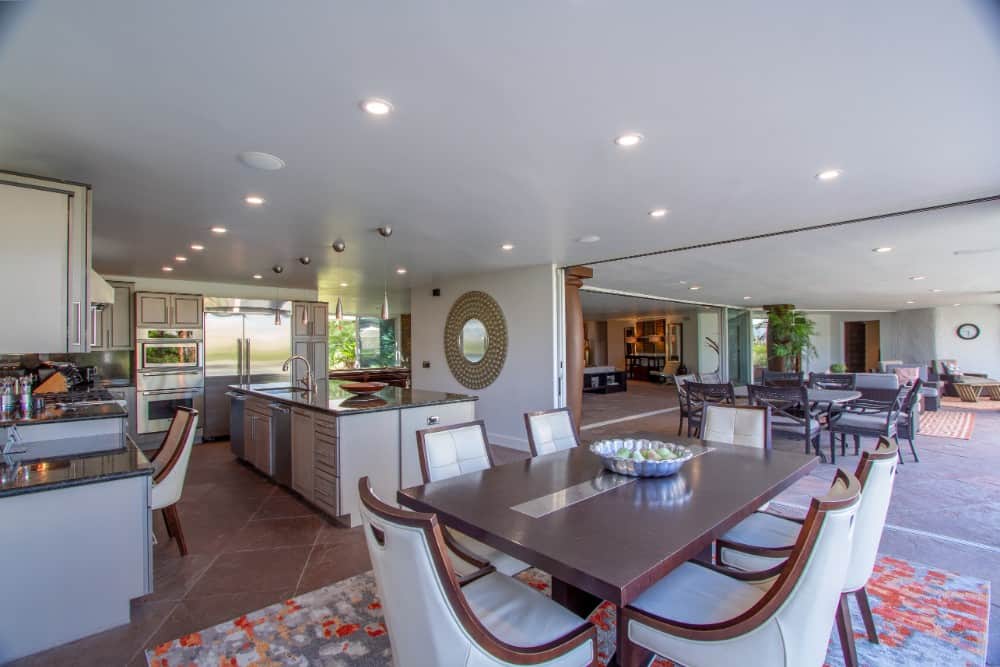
x,y
253,543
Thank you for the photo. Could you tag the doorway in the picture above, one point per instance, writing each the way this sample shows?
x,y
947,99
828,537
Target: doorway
x,y
862,350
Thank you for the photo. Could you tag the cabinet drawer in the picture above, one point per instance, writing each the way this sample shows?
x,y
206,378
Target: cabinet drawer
x,y
325,490
326,455
326,425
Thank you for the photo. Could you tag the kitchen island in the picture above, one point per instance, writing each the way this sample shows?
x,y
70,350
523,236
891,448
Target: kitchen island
x,y
76,519
320,443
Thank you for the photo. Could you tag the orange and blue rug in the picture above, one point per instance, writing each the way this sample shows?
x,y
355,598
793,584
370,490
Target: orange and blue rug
x,y
924,616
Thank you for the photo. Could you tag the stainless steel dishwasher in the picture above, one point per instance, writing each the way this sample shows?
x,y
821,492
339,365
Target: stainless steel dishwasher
x,y
236,435
281,443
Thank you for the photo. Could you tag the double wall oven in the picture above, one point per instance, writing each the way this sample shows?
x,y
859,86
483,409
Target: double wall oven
x,y
170,373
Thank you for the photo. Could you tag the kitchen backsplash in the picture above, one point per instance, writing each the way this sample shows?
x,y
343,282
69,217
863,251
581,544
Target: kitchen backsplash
x,y
116,365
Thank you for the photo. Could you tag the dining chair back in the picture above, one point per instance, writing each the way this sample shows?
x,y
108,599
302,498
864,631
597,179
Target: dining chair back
x,y
700,394
694,617
877,473
709,378
790,412
844,381
782,378
681,382
433,619
908,422
550,431
456,449
865,417
747,426
170,465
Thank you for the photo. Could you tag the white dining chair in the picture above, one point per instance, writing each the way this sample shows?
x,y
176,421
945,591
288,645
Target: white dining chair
x,y
746,426
550,431
458,449
435,618
170,464
706,616
763,541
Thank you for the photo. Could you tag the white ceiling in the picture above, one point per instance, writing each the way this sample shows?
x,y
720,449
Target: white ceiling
x,y
605,306
503,127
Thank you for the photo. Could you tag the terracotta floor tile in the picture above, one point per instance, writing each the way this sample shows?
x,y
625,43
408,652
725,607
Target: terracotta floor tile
x,y
282,504
329,563
252,571
332,533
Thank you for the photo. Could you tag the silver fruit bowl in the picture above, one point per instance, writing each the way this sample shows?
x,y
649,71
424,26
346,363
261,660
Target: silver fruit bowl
x,y
607,450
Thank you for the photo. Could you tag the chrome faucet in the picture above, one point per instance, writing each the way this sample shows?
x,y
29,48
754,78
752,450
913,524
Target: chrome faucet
x,y
309,381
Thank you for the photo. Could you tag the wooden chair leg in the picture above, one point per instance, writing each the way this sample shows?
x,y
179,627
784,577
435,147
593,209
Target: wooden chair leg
x,y
846,632
175,528
166,522
628,654
857,445
680,424
866,613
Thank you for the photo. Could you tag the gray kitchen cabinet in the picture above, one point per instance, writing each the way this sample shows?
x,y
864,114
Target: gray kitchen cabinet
x,y
310,319
173,311
44,263
257,435
119,325
97,330
303,451
317,352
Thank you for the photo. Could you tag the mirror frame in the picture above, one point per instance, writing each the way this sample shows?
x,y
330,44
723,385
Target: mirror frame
x,y
476,306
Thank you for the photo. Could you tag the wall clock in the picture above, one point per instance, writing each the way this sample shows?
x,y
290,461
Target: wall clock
x,y
967,331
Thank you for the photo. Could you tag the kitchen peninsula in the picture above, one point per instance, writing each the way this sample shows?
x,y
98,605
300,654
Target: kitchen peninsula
x,y
74,501
320,443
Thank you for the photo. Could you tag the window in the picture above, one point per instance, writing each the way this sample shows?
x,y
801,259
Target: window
x,y
363,342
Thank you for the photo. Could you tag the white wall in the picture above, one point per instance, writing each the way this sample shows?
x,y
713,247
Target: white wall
x,y
708,359
823,342
830,333
981,355
914,336
215,289
528,379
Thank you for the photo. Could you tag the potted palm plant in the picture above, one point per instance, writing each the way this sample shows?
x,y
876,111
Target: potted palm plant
x,y
791,335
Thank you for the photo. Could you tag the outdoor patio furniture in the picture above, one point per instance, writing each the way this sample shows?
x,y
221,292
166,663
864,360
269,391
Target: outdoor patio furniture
x,y
865,417
831,380
909,417
700,394
790,412
933,388
970,389
877,386
782,379
950,373
682,401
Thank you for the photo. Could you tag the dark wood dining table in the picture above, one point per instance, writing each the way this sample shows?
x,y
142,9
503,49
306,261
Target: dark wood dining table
x,y
604,536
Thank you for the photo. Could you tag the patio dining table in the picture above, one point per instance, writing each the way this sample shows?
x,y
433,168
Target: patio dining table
x,y
823,396
604,536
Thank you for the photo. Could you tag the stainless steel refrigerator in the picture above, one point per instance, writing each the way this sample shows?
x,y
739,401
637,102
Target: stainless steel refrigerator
x,y
243,344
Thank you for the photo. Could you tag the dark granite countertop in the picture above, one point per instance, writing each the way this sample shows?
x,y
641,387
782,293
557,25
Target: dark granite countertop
x,y
53,413
329,397
50,465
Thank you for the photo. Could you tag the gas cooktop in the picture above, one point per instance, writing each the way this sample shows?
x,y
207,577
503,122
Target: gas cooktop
x,y
83,396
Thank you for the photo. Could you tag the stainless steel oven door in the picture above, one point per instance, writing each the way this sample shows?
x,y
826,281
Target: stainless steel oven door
x,y
155,409
169,379
169,354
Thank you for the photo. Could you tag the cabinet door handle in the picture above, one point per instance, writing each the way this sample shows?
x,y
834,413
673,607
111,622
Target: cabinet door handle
x,y
433,420
93,326
78,307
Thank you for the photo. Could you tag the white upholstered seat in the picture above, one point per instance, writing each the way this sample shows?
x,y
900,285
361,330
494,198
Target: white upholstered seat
x,y
749,427
876,472
704,620
550,431
432,620
448,451
170,466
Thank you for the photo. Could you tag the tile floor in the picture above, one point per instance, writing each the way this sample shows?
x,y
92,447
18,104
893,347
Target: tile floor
x,y
253,543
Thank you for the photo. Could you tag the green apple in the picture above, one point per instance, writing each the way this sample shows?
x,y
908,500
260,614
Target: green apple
x,y
651,454
624,453
637,456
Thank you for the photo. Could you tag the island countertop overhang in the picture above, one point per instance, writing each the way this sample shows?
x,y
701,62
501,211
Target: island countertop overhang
x,y
330,398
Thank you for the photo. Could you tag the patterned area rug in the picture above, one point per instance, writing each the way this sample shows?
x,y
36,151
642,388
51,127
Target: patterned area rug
x,y
924,617
947,424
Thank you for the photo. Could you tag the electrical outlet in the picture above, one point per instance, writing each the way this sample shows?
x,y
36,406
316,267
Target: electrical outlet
x,y
426,364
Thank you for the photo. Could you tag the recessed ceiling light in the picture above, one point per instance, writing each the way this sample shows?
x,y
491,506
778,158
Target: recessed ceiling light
x,y
168,269
683,282
918,277
589,238
259,160
197,246
658,213
181,258
747,298
911,302
219,230
376,106
401,270
254,200
829,175
257,276
344,285
694,288
937,290
507,246
629,139
882,249
956,304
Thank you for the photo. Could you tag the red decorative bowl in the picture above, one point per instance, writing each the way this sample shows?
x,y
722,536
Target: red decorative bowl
x,y
363,388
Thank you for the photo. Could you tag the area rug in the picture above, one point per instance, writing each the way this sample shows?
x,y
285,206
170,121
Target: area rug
x,y
947,424
925,616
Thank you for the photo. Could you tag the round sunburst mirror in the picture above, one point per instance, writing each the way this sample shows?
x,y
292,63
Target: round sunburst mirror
x,y
475,340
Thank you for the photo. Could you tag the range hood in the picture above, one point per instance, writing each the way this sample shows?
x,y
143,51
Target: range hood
x,y
100,291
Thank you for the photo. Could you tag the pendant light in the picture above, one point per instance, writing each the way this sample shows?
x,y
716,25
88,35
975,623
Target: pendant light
x,y
278,270
339,246
385,232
